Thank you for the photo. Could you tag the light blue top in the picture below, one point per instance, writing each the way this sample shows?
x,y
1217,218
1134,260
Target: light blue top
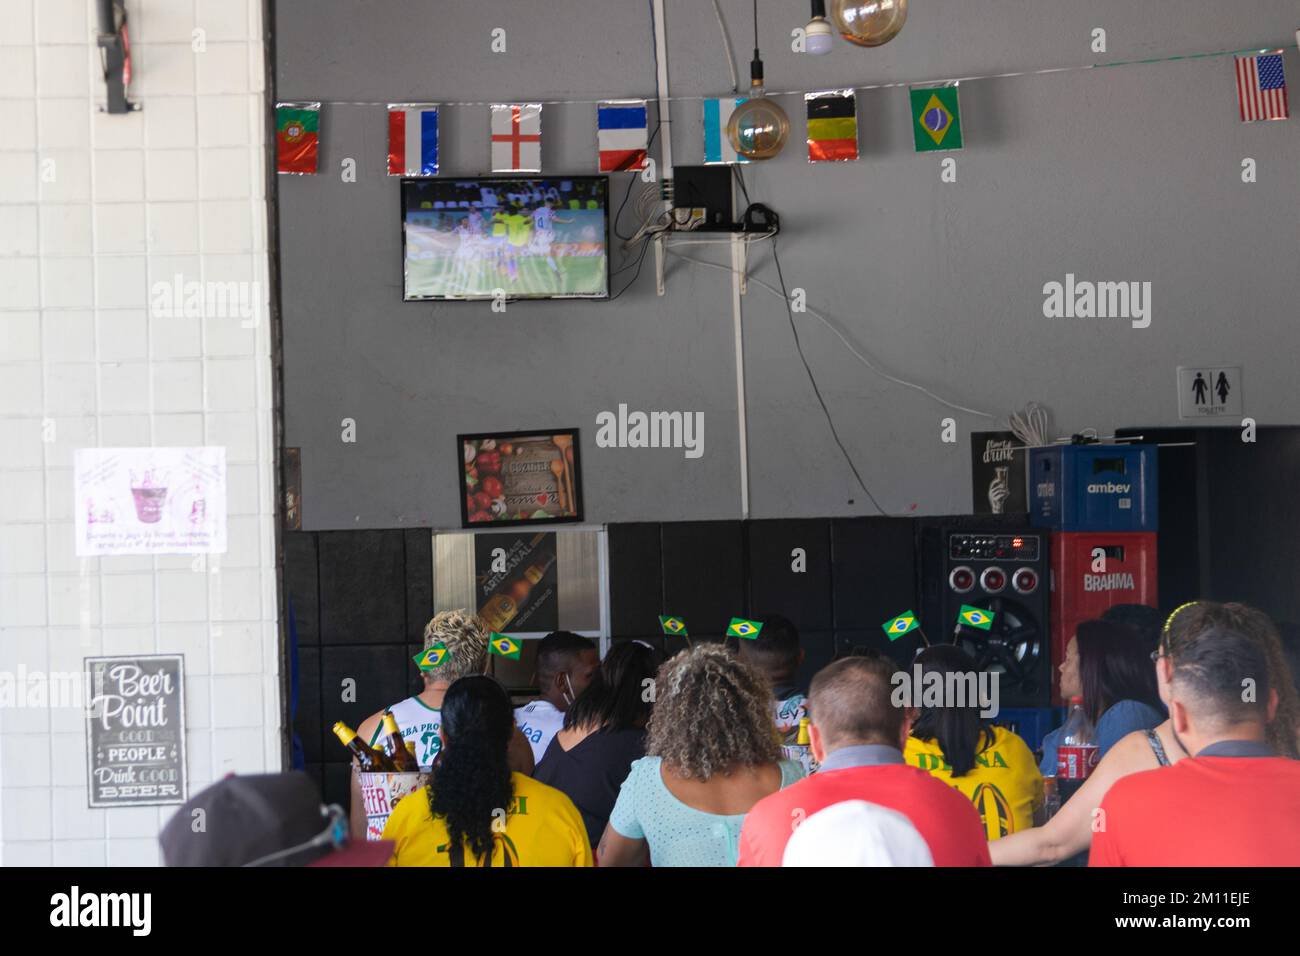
x,y
1117,721
679,835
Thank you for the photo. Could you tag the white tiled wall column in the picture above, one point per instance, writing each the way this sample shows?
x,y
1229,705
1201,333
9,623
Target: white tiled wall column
x,y
95,210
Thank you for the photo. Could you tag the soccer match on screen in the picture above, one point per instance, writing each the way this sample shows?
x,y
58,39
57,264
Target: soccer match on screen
x,y
521,238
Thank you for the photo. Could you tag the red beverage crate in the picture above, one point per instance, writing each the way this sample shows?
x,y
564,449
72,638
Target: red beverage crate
x,y
1085,584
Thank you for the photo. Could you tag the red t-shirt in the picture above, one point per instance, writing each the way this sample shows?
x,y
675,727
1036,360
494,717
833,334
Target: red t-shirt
x,y
946,819
1203,811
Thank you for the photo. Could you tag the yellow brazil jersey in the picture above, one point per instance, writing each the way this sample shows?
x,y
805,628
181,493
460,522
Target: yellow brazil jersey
x,y
542,828
520,228
1005,784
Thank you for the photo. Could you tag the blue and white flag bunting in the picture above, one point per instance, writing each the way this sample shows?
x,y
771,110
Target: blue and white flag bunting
x,y
717,148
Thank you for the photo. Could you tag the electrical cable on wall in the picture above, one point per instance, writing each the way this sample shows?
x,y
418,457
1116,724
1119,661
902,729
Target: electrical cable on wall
x,y
632,183
849,345
794,329
726,45
1031,425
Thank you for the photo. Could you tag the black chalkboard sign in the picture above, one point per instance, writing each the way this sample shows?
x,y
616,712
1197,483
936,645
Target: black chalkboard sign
x,y
135,731
999,473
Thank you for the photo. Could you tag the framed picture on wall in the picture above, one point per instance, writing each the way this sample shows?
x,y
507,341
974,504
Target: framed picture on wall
x,y
519,477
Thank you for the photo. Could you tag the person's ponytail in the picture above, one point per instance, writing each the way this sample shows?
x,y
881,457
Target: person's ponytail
x,y
470,786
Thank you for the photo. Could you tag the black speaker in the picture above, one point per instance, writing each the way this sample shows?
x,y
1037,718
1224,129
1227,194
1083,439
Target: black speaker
x,y
1001,568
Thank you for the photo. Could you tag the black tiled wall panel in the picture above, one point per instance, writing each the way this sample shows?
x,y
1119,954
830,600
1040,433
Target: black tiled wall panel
x,y
704,574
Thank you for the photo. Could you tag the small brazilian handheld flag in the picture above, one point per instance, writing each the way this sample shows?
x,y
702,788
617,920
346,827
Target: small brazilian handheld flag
x,y
936,119
432,656
903,624
503,646
739,627
672,625
975,617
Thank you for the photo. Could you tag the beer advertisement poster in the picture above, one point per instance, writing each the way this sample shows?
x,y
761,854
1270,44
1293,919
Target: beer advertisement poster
x,y
135,730
519,477
515,582
150,501
999,473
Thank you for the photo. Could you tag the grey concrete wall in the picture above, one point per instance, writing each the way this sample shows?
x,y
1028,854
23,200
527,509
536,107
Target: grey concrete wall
x,y
1125,173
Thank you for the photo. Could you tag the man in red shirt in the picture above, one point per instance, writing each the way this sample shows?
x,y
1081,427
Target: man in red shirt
x,y
1234,802
857,735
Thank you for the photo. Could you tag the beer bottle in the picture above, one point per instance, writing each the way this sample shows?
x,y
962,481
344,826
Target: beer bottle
x,y
410,749
369,761
498,612
395,748
804,742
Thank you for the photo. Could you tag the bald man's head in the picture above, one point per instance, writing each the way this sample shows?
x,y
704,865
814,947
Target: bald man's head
x,y
850,703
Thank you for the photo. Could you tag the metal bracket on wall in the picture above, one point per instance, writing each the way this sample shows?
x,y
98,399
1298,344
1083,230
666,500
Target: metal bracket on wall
x,y
739,248
741,259
659,265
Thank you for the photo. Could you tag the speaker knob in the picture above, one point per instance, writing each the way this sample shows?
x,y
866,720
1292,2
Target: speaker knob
x,y
993,580
961,580
1025,581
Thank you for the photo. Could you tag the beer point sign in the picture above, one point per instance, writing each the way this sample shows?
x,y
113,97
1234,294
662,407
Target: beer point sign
x,y
135,730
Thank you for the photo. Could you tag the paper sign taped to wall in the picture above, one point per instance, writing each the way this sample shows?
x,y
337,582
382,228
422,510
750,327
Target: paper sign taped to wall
x,y
150,501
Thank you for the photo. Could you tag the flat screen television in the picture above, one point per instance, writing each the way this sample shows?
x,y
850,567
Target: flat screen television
x,y
544,237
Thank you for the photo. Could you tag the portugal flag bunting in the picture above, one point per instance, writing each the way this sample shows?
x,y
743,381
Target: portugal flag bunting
x,y
297,138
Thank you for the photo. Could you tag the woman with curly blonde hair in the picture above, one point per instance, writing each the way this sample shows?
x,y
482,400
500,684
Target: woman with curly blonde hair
x,y
1070,831
711,754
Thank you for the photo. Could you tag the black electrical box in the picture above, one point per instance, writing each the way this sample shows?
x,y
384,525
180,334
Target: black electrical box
x,y
702,199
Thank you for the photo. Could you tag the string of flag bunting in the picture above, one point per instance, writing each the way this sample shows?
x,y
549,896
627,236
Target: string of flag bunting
x,y
622,125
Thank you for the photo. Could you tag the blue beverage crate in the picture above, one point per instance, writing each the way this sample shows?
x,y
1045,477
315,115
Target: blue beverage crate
x,y
1093,487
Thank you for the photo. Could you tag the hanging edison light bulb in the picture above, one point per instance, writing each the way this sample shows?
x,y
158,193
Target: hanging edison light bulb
x,y
758,128
869,22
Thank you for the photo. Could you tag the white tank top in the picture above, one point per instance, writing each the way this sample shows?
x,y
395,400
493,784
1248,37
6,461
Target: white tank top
x,y
540,721
418,722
